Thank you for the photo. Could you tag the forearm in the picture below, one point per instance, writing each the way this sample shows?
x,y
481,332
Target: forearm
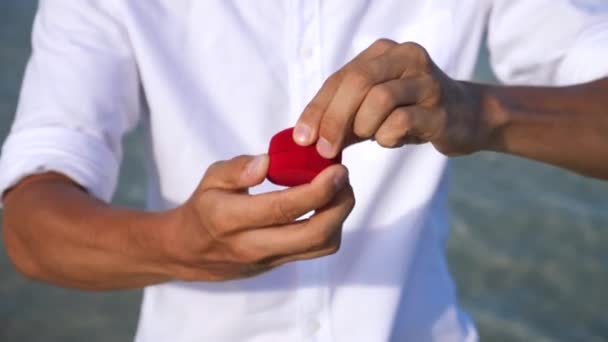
x,y
57,233
567,126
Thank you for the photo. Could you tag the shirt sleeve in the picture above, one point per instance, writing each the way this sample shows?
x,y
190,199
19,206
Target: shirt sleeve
x,y
79,96
556,42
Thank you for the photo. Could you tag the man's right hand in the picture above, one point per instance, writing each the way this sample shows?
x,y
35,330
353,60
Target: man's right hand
x,y
222,232
56,232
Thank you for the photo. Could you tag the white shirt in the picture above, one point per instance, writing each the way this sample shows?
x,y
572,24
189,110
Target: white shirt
x,y
215,79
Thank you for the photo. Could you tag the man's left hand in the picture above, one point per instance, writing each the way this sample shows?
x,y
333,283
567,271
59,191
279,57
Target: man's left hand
x,y
395,94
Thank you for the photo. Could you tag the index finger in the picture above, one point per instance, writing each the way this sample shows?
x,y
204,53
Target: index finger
x,y
306,130
336,123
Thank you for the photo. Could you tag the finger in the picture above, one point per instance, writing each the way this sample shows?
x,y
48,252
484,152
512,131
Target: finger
x,y
256,270
320,234
244,212
402,125
236,174
336,122
306,129
381,100
215,272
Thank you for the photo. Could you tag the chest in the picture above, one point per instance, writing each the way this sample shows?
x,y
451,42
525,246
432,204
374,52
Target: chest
x,y
240,33
252,66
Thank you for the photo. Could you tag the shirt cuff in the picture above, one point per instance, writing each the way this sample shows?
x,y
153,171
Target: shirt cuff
x,y
81,157
587,60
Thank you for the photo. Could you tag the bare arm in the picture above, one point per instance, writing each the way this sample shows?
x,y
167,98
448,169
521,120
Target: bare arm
x,y
567,126
55,232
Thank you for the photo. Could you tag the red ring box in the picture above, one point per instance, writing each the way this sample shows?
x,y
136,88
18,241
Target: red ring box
x,y
292,164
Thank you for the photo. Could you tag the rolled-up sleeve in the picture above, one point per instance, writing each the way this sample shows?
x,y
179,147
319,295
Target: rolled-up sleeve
x,y
553,42
79,96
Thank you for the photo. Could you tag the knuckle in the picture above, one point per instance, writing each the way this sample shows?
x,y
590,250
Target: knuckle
x,y
414,140
334,248
251,271
351,200
383,44
383,96
210,176
281,211
217,232
333,79
213,168
327,235
207,205
324,194
387,141
205,201
327,251
381,140
322,237
359,77
331,243
199,202
212,210
252,257
400,120
245,255
413,48
219,224
183,255
433,91
417,52
362,130
187,274
331,126
313,109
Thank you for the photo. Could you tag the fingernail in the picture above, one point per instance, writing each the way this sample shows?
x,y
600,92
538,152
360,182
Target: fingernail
x,y
301,134
324,148
254,166
340,180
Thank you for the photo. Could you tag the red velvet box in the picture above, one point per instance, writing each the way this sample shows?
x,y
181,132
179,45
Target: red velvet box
x,y
292,164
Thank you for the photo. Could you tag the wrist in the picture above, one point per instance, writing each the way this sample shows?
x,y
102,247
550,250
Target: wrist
x,y
151,236
494,116
179,236
481,115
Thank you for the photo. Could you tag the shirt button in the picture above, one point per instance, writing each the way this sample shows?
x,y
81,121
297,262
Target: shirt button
x,y
305,52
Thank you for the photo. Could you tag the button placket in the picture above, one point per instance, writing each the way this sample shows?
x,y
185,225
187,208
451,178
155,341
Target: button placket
x,y
312,294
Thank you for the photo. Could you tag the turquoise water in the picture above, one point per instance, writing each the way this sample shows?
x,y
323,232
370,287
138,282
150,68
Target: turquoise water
x,y
528,244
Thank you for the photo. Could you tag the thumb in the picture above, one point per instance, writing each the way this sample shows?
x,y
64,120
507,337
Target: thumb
x,y
238,173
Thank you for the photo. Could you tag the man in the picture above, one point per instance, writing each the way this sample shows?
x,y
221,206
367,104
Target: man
x,y
215,79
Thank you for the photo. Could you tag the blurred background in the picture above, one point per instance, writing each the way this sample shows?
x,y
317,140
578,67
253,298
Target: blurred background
x,y
528,249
